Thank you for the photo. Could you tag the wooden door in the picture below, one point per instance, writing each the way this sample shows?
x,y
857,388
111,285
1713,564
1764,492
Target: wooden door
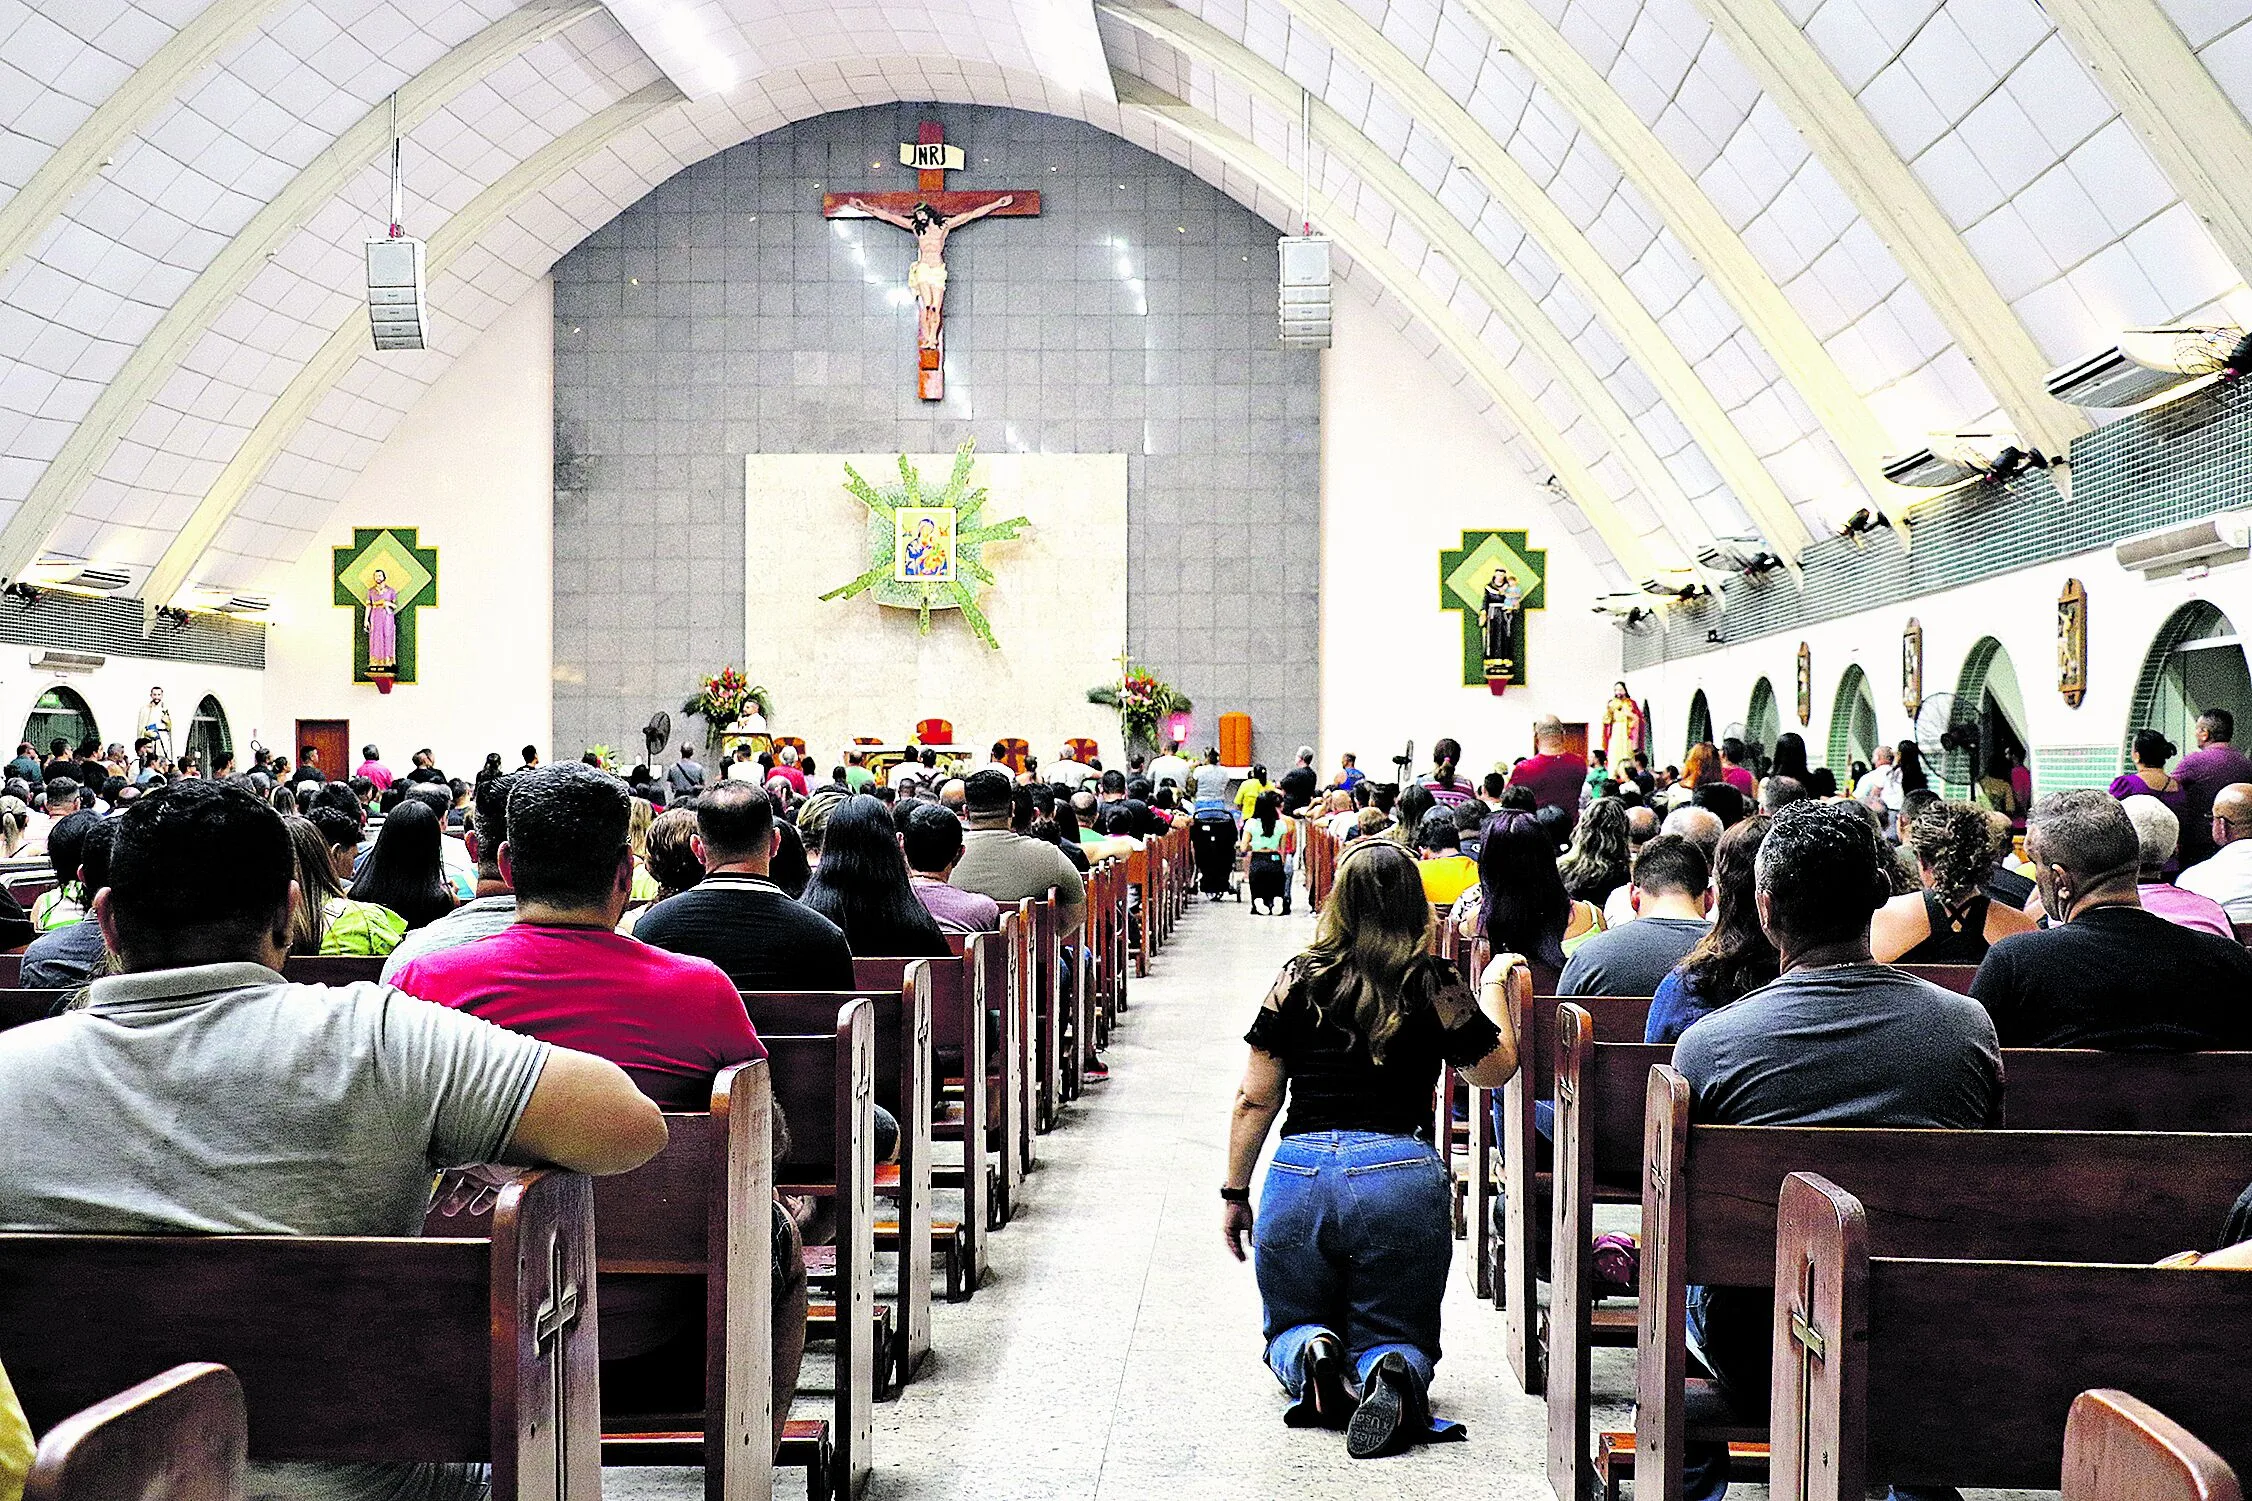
x,y
1575,741
332,736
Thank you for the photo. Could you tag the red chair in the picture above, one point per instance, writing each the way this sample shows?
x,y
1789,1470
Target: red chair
x,y
1081,749
1013,753
934,732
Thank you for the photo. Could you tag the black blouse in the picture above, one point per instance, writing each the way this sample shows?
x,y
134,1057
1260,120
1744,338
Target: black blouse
x,y
1335,1085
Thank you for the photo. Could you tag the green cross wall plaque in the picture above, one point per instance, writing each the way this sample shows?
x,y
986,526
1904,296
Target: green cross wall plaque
x,y
383,578
1464,573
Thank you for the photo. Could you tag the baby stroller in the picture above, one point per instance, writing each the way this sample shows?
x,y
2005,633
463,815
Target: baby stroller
x,y
1213,837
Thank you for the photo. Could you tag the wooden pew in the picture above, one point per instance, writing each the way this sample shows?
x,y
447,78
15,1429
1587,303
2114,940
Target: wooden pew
x,y
11,970
379,1348
20,1006
700,1208
958,1034
1707,1217
1048,1002
825,1081
178,1436
1140,874
1931,1371
1955,977
332,969
900,1020
1601,1090
1525,1188
2120,1448
992,975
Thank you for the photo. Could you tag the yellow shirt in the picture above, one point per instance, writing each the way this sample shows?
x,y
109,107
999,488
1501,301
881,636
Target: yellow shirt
x,y
15,1442
1448,876
1247,797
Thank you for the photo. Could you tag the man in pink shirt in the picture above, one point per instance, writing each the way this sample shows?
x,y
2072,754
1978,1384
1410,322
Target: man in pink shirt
x,y
371,766
2216,763
1734,772
562,973
1553,773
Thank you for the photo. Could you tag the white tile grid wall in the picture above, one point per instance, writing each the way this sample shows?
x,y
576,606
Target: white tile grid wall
x,y
814,355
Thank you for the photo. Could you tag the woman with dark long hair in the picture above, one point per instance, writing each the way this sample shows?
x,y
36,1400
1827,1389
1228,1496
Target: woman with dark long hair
x,y
1267,834
1908,764
1443,784
1355,1227
861,885
1519,905
1735,958
406,870
328,921
1790,758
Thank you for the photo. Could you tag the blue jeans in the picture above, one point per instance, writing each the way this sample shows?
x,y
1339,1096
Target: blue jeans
x,y
1353,1238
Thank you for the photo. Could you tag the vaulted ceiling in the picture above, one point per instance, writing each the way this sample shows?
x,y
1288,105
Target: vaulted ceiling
x,y
1705,262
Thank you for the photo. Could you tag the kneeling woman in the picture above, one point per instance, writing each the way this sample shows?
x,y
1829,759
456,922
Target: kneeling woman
x,y
1355,1227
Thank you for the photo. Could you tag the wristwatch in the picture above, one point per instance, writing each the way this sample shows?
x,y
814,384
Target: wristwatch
x,y
1236,1195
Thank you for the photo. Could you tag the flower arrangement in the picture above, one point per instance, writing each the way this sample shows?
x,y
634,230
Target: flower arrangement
x,y
723,697
605,757
1142,699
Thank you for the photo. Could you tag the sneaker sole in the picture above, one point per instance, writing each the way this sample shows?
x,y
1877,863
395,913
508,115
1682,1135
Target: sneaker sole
x,y
1376,1422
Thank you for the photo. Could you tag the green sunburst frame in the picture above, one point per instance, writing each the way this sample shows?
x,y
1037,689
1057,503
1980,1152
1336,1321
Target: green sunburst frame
x,y
971,533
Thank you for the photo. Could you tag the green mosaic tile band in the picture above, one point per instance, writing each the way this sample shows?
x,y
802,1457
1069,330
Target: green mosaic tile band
x,y
2059,767
2175,463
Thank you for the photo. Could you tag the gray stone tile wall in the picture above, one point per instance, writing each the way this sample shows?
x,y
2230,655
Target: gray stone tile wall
x,y
722,315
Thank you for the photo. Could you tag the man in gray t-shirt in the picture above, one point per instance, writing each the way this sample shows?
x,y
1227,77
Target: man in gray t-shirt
x,y
199,1091
1838,1040
1668,893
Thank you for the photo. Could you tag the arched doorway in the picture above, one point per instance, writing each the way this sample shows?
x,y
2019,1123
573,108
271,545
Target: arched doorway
x,y
1761,724
209,739
2195,663
60,714
1853,723
1700,721
1988,719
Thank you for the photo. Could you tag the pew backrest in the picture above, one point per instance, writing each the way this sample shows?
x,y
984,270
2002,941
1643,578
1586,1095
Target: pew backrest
x,y
178,1436
2118,1447
347,1348
1941,1371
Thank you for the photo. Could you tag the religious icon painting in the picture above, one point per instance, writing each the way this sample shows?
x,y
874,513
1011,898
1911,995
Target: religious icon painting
x,y
1805,685
923,544
2072,642
1912,668
383,577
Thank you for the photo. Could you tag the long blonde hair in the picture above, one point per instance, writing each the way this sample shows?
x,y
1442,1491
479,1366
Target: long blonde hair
x,y
1366,970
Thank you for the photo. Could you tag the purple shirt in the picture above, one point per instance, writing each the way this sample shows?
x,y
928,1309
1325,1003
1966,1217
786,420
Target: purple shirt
x,y
2186,909
956,910
2203,773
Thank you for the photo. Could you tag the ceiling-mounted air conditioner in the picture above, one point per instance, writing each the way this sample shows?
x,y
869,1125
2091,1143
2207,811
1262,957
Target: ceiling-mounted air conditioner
x,y
63,663
2208,542
77,576
2149,362
1951,459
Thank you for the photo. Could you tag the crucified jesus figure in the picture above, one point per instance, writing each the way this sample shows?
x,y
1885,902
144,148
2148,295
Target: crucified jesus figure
x,y
926,278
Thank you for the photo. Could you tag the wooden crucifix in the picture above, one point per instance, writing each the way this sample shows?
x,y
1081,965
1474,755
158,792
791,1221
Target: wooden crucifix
x,y
930,214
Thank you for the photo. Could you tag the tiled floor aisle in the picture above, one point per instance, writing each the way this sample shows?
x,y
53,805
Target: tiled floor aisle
x,y
1114,1352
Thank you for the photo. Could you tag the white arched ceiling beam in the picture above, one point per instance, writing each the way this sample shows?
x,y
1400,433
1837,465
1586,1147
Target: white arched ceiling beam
x,y
155,359
1900,209
1510,185
2190,127
117,119
319,374
1471,260
1137,96
1698,224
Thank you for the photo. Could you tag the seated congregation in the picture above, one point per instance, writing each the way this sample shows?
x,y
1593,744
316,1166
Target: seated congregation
x,y
1806,1024
683,1078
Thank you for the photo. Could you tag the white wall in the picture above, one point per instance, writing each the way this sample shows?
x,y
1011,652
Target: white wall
x,y
471,466
117,691
1406,467
2018,609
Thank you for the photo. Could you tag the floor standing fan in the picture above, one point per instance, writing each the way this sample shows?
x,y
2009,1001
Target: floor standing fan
x,y
656,735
